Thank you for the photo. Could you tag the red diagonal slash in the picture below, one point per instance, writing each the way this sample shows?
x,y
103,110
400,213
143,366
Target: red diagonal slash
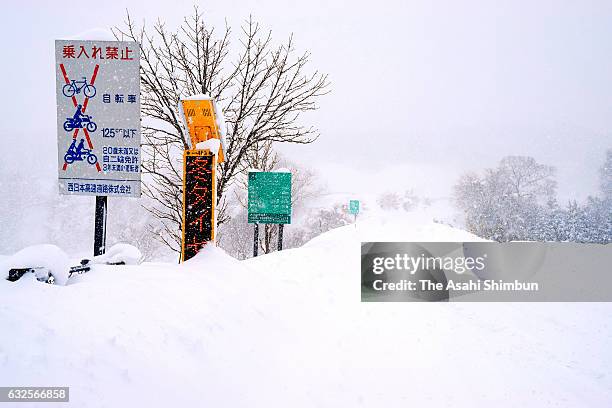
x,y
84,107
74,136
74,101
91,146
93,80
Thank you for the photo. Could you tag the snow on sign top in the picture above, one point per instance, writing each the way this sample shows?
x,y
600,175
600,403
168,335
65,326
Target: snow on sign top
x,y
197,97
103,34
98,117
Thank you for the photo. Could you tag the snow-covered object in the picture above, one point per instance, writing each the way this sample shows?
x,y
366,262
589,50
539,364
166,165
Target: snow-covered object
x,y
46,256
118,253
282,170
207,256
97,34
197,97
289,329
220,119
211,144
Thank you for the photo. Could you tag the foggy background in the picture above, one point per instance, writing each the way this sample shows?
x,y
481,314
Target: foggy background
x,y
422,91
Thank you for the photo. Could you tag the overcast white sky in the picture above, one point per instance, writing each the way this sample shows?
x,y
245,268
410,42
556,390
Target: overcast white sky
x,y
421,90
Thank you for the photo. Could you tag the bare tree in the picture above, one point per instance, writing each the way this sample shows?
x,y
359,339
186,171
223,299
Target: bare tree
x,y
506,202
264,88
526,180
303,187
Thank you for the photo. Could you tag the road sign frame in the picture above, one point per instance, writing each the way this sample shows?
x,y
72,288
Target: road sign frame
x,y
354,207
265,206
88,72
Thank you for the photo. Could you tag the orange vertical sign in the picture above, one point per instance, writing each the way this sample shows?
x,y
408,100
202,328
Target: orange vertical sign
x,y
201,122
199,198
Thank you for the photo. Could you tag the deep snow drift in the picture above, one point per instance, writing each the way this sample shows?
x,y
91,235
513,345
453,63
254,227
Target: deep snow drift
x,y
288,329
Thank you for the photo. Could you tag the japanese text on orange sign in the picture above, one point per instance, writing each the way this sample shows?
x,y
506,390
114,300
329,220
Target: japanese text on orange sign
x,y
198,201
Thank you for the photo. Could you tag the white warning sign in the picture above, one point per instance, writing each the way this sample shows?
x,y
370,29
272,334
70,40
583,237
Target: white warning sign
x,y
98,117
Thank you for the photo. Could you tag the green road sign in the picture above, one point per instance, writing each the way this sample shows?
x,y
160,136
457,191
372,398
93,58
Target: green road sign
x,y
269,197
354,206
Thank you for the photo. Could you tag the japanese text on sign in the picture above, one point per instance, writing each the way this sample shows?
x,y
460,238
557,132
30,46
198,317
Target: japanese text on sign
x,y
199,201
269,197
98,117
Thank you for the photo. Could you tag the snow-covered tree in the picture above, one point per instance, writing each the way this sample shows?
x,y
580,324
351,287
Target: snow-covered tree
x,y
598,220
410,200
505,203
263,88
525,180
389,201
598,210
516,202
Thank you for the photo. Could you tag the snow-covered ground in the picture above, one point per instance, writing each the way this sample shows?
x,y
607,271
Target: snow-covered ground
x,y
289,330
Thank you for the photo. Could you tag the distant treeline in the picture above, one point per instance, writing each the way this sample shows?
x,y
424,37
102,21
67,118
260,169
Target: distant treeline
x,y
516,202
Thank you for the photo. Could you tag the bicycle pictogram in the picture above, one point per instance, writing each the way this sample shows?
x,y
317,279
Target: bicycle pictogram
x,y
75,87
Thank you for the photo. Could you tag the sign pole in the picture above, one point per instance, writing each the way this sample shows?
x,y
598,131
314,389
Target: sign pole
x,y
280,236
100,226
255,240
98,123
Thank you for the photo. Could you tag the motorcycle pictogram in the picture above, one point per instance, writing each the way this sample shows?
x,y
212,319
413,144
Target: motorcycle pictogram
x,y
78,121
79,153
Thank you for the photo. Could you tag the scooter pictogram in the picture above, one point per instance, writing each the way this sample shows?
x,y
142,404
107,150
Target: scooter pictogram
x,y
79,121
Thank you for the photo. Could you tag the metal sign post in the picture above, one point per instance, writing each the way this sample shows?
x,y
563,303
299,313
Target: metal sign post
x,y
98,122
100,226
255,240
280,237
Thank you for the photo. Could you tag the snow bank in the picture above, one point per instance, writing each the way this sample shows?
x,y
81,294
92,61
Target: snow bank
x,y
47,256
128,254
209,255
288,329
